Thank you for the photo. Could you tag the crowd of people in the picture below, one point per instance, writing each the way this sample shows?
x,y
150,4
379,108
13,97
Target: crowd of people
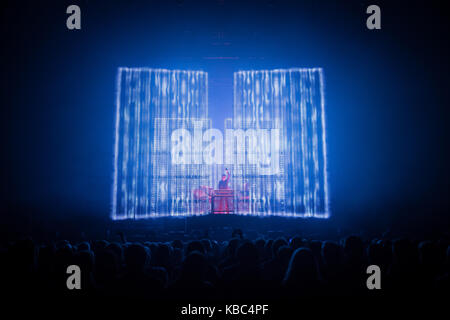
x,y
279,268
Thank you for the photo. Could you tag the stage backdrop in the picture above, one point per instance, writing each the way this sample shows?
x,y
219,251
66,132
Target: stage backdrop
x,y
168,158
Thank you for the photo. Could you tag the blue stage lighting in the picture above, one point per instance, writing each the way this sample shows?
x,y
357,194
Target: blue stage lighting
x,y
168,158
291,176
150,104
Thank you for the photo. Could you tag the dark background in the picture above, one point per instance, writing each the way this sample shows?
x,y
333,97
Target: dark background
x,y
386,98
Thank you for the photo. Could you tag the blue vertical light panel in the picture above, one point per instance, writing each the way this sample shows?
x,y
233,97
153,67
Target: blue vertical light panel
x,y
292,102
149,103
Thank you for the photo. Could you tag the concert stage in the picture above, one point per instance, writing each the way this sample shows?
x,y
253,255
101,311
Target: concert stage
x,y
168,158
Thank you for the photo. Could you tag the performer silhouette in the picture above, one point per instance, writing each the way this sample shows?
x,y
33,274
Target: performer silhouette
x,y
223,184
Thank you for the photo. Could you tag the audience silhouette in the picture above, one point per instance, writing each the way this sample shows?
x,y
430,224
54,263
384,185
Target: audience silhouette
x,y
279,268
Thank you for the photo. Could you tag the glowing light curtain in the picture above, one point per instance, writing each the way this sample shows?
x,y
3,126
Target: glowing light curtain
x,y
275,144
291,101
149,104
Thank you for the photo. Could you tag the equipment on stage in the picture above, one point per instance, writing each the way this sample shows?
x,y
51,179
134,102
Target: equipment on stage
x,y
202,199
222,201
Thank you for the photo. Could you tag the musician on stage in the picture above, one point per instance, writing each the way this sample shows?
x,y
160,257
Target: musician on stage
x,y
223,184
